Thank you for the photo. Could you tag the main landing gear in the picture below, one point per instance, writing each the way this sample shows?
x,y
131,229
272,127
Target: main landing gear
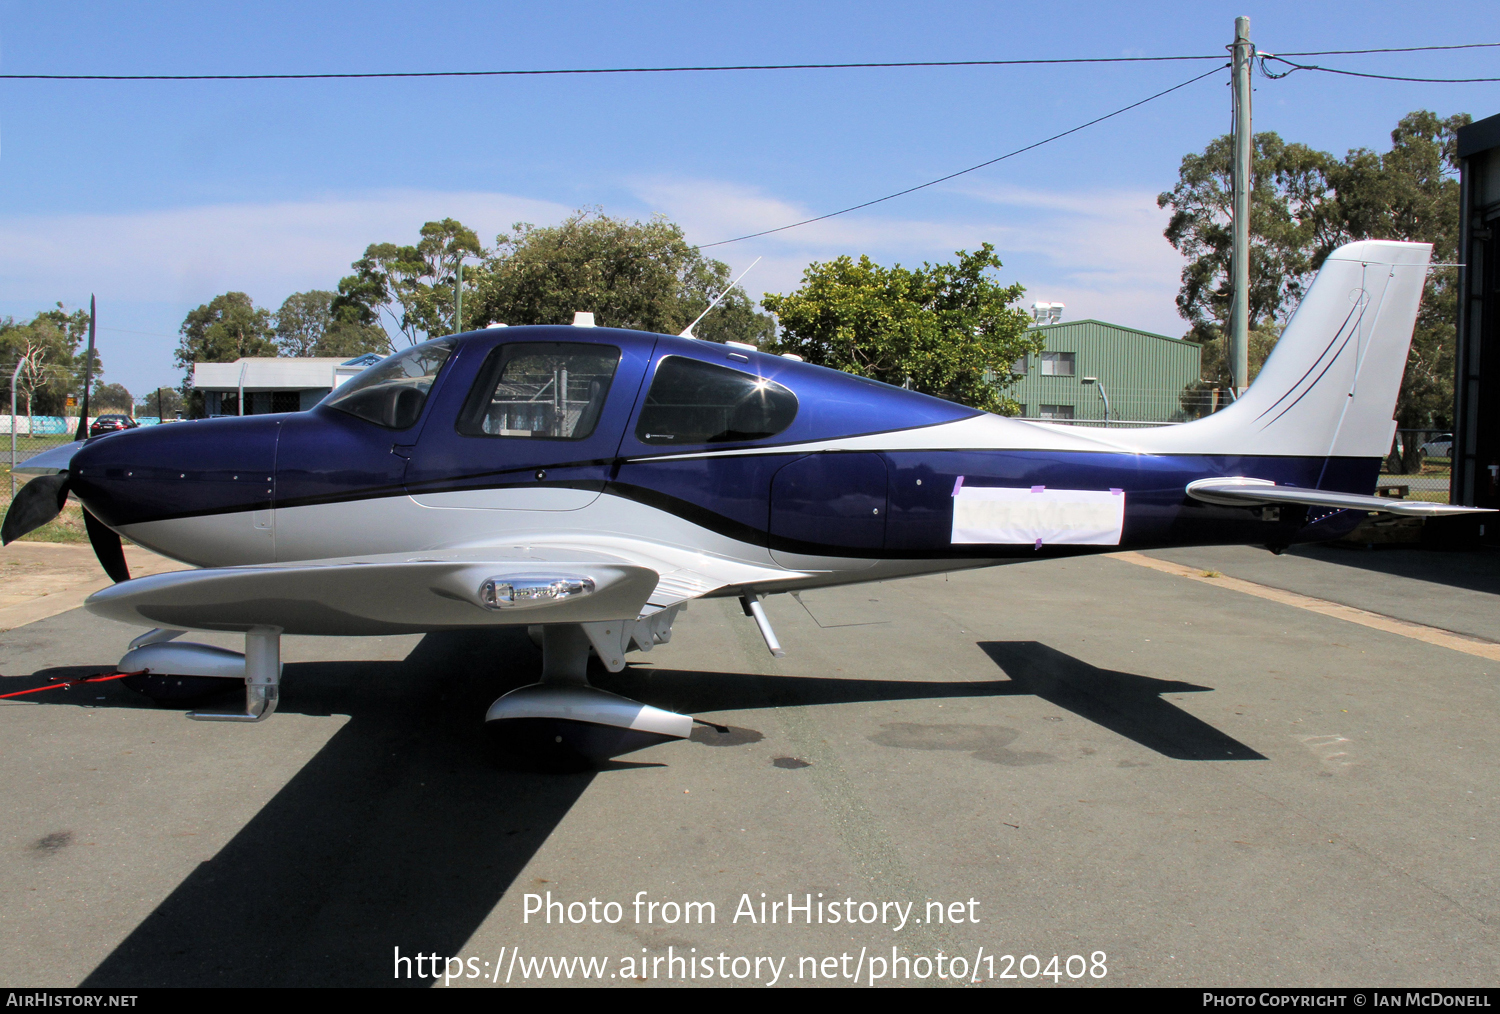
x,y
563,722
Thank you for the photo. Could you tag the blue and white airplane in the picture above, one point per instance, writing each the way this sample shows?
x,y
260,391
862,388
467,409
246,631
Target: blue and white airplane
x,y
589,483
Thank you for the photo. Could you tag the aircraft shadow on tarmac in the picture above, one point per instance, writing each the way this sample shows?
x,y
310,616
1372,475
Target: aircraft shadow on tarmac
x,y
1128,705
401,833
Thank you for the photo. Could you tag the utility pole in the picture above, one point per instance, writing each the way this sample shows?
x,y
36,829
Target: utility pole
x,y
1239,316
88,378
14,378
458,296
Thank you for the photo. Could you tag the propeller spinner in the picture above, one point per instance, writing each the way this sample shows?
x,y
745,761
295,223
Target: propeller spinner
x,y
41,500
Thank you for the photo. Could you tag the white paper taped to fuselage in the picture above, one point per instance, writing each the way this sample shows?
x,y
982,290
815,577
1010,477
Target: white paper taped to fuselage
x,y
1038,516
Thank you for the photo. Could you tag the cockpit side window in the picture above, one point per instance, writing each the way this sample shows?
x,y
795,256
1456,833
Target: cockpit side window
x,y
392,392
541,390
692,402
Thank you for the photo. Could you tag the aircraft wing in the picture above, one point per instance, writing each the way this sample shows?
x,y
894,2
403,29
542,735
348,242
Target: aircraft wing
x,y
389,594
1244,492
424,591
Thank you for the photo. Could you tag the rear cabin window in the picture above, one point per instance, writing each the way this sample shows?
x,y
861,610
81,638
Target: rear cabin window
x,y
546,390
392,392
692,402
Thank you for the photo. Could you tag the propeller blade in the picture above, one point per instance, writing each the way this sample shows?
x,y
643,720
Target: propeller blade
x,y
36,503
107,547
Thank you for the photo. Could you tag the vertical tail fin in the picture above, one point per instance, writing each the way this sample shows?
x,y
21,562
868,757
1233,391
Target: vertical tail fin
x,y
1329,388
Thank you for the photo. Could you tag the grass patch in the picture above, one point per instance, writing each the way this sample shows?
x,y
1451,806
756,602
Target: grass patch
x,y
1433,488
66,527
26,444
1429,495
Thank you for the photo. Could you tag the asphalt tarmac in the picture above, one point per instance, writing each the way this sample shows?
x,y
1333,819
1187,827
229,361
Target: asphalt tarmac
x,y
1176,783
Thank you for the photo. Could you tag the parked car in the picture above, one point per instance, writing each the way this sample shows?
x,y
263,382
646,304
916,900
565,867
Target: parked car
x,y
111,424
1440,446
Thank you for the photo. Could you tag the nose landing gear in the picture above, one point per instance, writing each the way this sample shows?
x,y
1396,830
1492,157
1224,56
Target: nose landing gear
x,y
182,670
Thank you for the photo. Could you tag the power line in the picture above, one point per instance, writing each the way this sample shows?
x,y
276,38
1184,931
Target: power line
x,y
1355,73
1001,158
717,67
725,67
595,70
712,67
1399,49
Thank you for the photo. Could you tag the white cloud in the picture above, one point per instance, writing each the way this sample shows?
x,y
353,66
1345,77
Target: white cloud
x,y
1100,252
187,255
150,267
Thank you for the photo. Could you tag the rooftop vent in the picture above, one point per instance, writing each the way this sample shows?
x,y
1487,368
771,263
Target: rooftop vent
x,y
1047,313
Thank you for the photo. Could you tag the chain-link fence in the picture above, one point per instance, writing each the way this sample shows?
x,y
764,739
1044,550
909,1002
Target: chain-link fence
x,y
1419,465
23,437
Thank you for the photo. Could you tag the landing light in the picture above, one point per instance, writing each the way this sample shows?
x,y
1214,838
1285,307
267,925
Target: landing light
x,y
518,593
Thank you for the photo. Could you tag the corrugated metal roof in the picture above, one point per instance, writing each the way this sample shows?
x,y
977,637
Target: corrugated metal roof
x,y
267,373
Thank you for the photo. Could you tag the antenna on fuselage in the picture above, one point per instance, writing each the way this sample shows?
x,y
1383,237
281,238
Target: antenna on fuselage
x,y
687,332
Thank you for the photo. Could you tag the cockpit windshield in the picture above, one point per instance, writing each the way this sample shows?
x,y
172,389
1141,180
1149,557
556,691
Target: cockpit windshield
x,y
392,392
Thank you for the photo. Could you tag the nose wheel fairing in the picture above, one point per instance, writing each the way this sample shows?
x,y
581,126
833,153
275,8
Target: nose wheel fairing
x,y
169,669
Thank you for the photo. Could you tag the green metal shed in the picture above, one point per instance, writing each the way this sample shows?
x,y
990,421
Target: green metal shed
x,y
1142,374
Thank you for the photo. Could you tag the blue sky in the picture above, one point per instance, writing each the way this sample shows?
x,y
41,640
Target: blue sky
x,y
157,196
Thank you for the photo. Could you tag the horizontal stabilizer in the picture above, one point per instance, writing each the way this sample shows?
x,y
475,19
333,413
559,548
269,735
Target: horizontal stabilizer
x,y
1244,492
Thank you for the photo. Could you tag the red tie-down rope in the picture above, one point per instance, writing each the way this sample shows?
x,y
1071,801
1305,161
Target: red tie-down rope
x,y
98,678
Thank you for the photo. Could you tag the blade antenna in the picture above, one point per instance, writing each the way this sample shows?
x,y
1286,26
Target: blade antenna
x,y
687,332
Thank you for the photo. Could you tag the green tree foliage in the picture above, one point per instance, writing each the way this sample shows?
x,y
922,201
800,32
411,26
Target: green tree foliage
x,y
167,407
443,246
640,275
1289,230
224,329
348,340
947,329
54,343
110,398
412,286
306,326
302,322
1304,203
1411,192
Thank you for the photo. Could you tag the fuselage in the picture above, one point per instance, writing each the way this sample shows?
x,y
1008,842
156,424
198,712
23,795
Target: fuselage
x,y
590,436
